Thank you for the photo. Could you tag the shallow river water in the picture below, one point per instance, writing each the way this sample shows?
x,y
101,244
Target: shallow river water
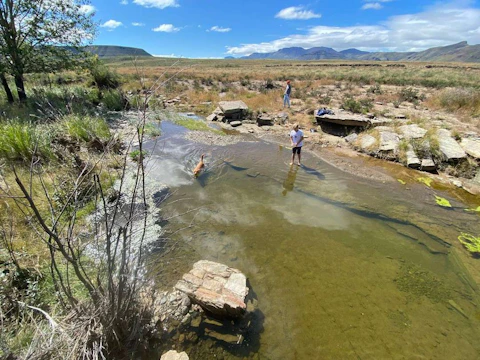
x,y
342,267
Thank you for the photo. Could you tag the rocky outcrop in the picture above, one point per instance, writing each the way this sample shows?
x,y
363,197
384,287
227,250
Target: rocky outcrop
x,y
217,288
471,147
412,131
449,147
388,141
173,355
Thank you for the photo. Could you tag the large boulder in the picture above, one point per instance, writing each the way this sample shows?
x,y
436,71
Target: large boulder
x,y
173,355
230,108
216,287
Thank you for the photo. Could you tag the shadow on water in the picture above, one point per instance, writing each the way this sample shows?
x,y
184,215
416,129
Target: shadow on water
x,y
314,172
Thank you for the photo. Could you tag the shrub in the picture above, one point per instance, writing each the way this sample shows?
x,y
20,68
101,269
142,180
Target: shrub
x,y
375,89
411,95
135,155
459,99
357,107
103,77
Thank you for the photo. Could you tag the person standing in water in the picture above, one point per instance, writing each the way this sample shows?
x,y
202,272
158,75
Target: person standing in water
x,y
286,94
296,139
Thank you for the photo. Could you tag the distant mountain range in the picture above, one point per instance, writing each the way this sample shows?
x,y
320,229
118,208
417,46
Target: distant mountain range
x,y
461,52
111,51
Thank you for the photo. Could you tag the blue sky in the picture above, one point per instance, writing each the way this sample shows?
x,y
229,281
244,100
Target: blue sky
x,y
219,28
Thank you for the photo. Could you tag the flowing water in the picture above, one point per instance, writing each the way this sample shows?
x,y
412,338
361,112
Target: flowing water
x,y
342,267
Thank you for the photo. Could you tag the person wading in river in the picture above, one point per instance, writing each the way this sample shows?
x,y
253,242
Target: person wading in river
x,y
296,139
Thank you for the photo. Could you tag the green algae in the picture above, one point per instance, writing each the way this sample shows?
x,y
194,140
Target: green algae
x,y
471,243
442,201
401,181
425,180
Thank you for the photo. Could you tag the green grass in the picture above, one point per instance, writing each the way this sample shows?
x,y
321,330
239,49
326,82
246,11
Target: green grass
x,y
85,128
21,142
196,125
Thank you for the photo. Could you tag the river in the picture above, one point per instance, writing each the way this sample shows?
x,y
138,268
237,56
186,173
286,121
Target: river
x,y
342,267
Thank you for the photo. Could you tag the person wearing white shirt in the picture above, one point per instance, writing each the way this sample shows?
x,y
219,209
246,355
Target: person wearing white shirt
x,y
296,138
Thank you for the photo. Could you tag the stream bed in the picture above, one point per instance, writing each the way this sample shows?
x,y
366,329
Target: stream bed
x,y
342,267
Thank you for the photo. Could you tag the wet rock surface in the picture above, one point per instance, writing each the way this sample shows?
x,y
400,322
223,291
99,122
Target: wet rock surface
x,y
217,288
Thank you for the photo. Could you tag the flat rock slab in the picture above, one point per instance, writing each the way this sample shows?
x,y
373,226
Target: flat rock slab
x,y
216,287
449,147
351,138
412,131
412,159
173,355
388,141
427,165
231,107
345,120
471,147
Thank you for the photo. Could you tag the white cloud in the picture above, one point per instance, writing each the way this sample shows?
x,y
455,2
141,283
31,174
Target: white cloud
x,y
296,13
168,28
160,4
124,2
372,5
87,9
219,29
137,24
439,25
111,24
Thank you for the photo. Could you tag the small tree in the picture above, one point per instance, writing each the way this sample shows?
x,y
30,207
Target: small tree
x,y
41,35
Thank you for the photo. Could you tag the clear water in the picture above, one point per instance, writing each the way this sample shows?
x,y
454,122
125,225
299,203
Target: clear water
x,y
342,268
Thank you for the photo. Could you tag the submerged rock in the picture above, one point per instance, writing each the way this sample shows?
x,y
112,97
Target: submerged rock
x,y
217,288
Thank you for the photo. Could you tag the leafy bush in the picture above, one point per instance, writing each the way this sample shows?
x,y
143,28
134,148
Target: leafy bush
x,y
22,142
375,89
135,155
85,128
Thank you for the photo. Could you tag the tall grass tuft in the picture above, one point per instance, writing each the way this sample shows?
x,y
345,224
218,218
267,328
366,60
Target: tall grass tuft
x,y
22,142
459,99
113,100
85,128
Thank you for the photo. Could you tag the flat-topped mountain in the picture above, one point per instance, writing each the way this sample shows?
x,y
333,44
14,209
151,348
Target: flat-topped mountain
x,y
112,51
461,52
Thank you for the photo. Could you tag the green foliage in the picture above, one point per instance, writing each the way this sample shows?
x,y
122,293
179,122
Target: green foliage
x,y
357,107
442,201
152,130
135,155
113,100
375,89
85,128
411,95
471,243
104,77
22,142
196,125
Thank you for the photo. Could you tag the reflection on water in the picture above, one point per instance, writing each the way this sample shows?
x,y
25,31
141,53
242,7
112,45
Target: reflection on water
x,y
341,268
